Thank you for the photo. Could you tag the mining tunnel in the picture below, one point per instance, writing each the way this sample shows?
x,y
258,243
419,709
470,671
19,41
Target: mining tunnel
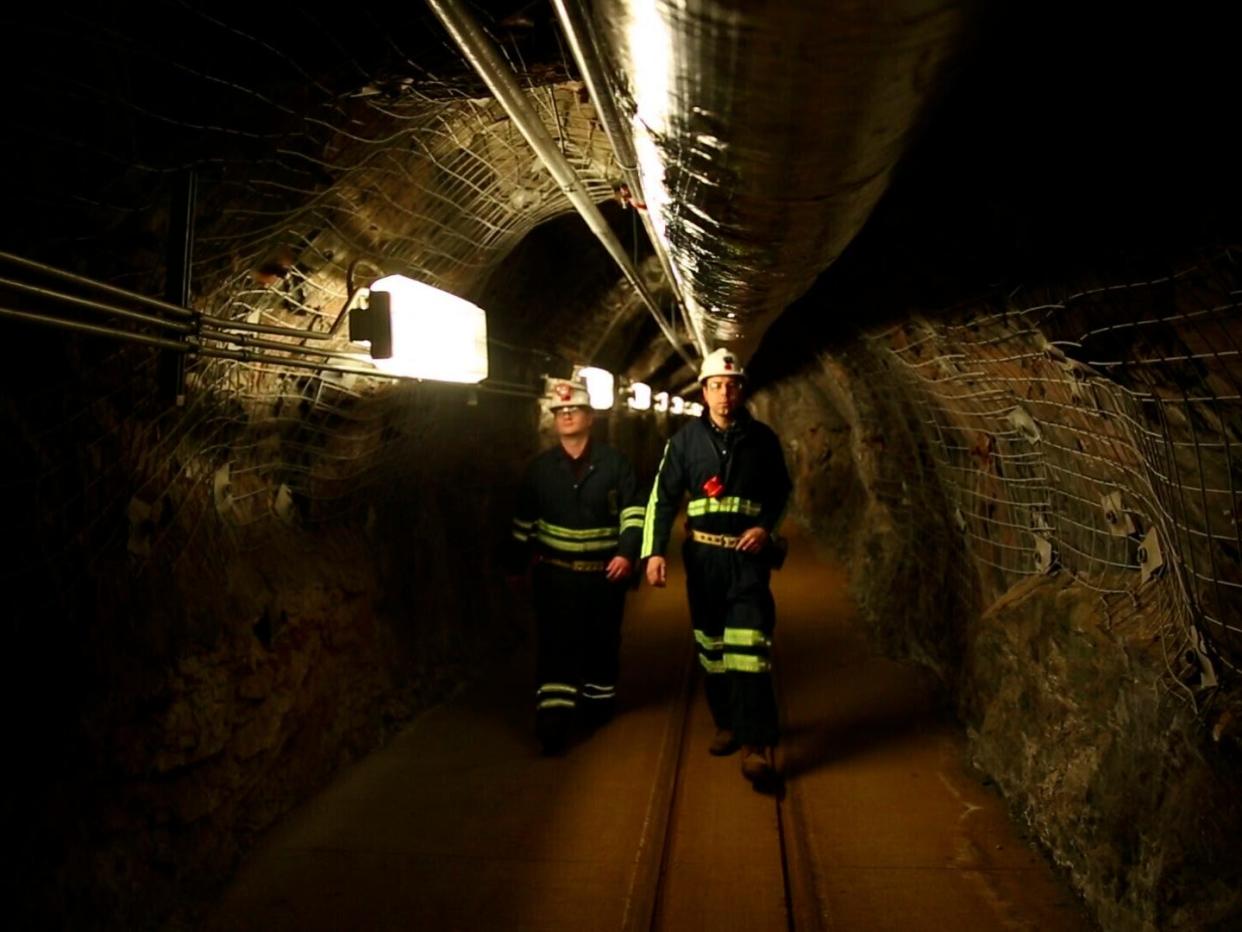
x,y
264,668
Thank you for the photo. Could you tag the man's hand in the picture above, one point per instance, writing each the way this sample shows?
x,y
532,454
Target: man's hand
x,y
657,572
753,540
619,568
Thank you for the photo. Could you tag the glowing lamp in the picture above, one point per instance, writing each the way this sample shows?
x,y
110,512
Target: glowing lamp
x,y
661,402
421,332
640,396
600,385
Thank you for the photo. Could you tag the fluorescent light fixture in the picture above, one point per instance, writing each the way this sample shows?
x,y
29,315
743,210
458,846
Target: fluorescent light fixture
x,y
661,402
677,405
600,385
421,332
694,409
640,396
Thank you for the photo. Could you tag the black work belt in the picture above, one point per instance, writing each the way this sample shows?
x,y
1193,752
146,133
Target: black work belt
x,y
716,540
578,566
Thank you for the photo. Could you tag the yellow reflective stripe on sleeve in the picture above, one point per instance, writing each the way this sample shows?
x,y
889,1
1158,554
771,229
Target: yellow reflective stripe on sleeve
x,y
708,643
588,533
746,637
746,663
634,511
566,546
711,666
649,514
520,535
556,704
525,525
731,505
627,523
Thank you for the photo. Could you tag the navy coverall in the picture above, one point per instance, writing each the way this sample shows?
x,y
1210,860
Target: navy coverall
x,y
572,518
737,480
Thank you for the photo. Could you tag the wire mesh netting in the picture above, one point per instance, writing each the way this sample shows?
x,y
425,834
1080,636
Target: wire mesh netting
x,y
1097,434
323,157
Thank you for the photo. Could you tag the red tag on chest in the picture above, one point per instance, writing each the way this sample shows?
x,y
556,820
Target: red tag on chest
x,y
713,487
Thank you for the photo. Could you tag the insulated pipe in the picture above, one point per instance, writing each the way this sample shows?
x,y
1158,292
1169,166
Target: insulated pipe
x,y
182,312
88,304
483,57
98,286
96,329
584,46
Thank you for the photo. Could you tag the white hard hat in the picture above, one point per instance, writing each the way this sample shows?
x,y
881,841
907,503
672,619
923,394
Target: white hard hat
x,y
563,393
721,362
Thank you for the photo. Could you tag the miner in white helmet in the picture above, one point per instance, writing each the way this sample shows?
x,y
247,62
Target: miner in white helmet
x,y
734,470
579,521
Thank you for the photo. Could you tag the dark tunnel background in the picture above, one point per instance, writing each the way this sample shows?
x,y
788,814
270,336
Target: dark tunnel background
x,y
215,607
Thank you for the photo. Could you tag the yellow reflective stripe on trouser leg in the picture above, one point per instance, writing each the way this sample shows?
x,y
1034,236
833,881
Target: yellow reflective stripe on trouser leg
x,y
566,688
596,691
746,637
712,666
707,642
746,663
556,696
709,645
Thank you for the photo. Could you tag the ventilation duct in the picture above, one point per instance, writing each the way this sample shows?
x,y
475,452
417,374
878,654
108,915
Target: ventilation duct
x,y
765,133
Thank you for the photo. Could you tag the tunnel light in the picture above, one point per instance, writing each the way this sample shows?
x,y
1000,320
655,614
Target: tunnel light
x,y
694,409
677,405
661,402
600,385
421,332
640,396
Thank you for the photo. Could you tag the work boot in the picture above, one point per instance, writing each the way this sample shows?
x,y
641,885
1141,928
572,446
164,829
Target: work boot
x,y
757,766
724,744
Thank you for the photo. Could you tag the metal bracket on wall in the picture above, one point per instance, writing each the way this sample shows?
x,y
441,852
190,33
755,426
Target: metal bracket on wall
x,y
1045,556
1118,521
1150,557
1024,424
222,491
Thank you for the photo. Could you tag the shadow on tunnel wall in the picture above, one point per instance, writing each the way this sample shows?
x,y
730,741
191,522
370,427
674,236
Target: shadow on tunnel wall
x,y
214,608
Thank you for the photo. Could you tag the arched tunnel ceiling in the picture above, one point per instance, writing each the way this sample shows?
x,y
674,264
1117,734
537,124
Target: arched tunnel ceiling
x,y
322,151
317,147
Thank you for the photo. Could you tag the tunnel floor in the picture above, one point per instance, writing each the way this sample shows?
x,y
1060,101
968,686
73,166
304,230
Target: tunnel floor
x,y
460,824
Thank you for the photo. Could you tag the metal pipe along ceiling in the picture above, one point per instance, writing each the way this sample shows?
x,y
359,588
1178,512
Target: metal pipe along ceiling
x,y
486,61
766,133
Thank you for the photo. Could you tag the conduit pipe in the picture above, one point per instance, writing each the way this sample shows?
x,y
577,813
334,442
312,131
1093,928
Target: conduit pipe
x,y
85,282
481,54
585,48
87,304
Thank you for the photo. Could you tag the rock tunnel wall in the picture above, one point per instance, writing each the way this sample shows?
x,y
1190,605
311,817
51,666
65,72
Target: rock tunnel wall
x,y
215,607
1038,501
